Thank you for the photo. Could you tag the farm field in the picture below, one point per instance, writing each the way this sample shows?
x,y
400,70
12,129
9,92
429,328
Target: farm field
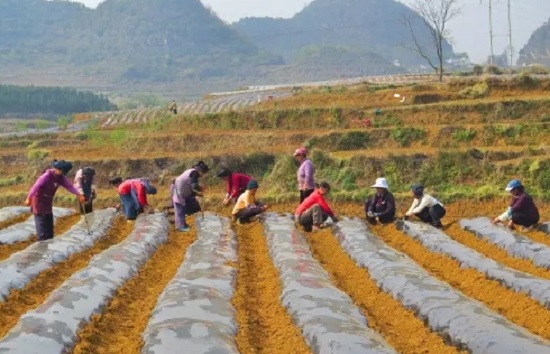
x,y
269,287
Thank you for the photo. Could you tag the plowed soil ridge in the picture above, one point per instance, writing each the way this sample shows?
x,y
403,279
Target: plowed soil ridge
x,y
518,308
37,291
264,324
399,326
119,328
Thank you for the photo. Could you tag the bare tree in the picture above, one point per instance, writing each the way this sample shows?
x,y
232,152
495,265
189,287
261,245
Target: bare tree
x,y
435,14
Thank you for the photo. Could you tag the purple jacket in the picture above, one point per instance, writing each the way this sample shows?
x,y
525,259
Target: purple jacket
x,y
524,203
306,175
43,191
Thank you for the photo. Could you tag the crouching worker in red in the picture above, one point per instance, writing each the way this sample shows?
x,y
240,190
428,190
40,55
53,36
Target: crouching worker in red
x,y
314,210
41,195
522,210
133,196
236,184
247,207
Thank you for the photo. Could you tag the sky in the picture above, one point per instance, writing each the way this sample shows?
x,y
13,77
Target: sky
x,y
470,31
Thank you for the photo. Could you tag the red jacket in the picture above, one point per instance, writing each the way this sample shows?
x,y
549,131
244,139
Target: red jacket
x,y
236,184
314,198
126,188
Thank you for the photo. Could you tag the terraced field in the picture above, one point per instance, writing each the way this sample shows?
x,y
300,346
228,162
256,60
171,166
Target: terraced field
x,y
269,287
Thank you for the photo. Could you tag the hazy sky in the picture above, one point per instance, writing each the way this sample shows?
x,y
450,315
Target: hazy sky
x,y
470,31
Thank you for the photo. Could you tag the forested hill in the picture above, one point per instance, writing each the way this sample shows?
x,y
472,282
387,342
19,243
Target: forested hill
x,y
151,40
49,101
374,26
537,49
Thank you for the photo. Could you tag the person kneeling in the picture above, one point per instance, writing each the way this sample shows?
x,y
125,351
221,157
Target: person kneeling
x,y
246,207
522,210
381,206
425,207
314,210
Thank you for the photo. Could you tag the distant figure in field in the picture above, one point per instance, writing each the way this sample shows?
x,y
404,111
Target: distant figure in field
x,y
84,183
41,196
522,210
247,208
314,210
173,107
305,174
236,184
425,207
381,206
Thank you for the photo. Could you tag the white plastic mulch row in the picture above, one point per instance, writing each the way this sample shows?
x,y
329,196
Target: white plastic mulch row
x,y
25,230
466,322
7,213
52,328
21,267
437,241
514,244
329,320
194,312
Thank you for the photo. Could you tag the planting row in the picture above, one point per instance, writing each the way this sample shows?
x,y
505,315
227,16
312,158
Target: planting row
x,y
24,231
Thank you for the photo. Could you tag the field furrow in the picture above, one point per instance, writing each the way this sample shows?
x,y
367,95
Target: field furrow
x,y
53,326
327,316
385,315
490,250
465,322
515,245
538,236
36,291
120,326
517,307
12,215
264,324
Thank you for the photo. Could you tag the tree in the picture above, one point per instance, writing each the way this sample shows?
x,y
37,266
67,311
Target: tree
x,y
435,14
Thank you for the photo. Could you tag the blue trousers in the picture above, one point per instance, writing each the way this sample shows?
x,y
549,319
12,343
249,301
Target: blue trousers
x,y
44,226
129,206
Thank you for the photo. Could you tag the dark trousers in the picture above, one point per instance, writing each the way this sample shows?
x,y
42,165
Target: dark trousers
x,y
244,215
180,211
44,226
312,216
432,215
129,206
86,208
304,194
384,219
524,219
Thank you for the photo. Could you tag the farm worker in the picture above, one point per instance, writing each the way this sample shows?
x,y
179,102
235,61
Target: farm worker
x,y
84,183
425,207
133,195
522,210
314,210
381,206
186,189
305,174
236,184
41,195
173,107
247,208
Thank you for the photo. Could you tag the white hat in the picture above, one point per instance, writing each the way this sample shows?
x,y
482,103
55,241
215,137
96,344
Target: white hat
x,y
381,183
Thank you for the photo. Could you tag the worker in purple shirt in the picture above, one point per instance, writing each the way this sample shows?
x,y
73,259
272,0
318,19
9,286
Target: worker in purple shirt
x,y
305,174
522,210
41,195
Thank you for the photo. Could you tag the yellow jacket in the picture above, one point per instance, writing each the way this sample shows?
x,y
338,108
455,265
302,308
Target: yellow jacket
x,y
244,201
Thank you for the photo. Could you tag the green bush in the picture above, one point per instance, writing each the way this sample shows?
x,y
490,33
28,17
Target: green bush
x,y
492,70
464,134
478,90
405,136
538,70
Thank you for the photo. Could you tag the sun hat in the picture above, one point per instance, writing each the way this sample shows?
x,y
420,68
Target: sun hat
x,y
513,184
300,151
381,183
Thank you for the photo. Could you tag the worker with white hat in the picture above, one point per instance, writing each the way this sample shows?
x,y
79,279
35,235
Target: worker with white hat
x,y
381,206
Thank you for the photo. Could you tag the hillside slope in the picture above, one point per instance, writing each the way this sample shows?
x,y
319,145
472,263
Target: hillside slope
x,y
537,50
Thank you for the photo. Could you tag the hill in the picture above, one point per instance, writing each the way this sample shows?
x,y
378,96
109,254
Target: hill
x,y
372,26
537,49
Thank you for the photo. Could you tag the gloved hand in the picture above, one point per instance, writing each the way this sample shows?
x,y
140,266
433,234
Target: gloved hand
x,y
370,214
